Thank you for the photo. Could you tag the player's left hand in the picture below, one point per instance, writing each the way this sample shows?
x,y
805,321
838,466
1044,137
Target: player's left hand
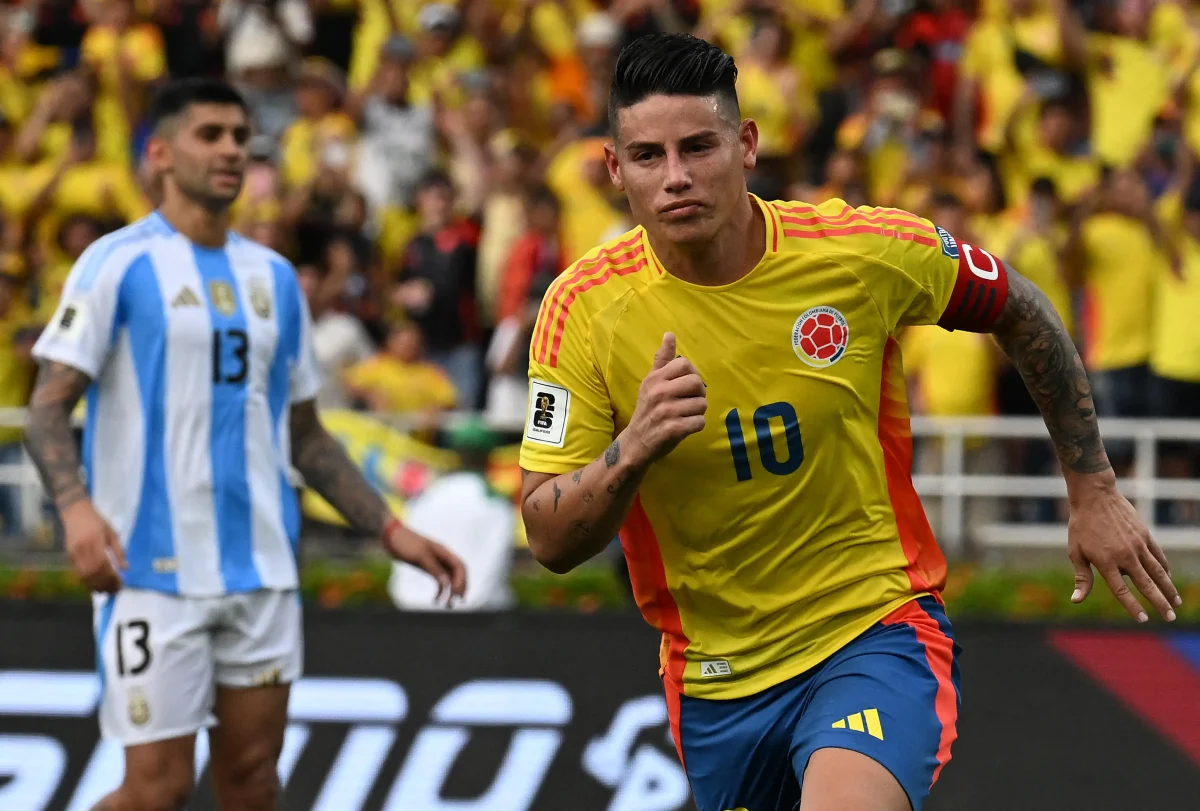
x,y
1105,531
439,562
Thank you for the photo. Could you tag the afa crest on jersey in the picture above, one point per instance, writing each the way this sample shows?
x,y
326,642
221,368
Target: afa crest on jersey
x,y
820,336
260,299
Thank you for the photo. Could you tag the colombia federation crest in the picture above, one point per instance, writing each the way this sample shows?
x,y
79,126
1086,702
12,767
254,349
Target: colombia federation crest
x,y
820,336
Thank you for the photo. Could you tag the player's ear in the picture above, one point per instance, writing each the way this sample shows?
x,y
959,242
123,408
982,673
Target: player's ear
x,y
158,154
748,136
614,168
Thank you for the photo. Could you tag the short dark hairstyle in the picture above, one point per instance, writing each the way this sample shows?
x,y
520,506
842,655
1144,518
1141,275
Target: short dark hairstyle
x,y
672,65
177,96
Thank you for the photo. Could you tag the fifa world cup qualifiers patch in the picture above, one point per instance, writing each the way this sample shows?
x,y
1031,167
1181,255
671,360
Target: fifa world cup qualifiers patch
x,y
949,243
549,408
71,320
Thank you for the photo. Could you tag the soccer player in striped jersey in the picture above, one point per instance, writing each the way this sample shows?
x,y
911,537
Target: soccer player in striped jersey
x,y
193,347
723,385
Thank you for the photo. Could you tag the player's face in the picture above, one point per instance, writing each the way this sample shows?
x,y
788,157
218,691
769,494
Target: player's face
x,y
205,157
681,164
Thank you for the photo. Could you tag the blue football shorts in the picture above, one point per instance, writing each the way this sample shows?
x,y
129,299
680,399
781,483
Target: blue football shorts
x,y
891,694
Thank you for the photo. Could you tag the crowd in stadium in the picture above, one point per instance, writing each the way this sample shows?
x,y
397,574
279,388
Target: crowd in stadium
x,y
431,167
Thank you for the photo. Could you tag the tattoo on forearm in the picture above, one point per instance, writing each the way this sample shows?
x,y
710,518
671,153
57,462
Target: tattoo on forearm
x,y
329,471
557,493
48,435
587,496
616,487
613,454
1042,351
577,476
579,530
536,504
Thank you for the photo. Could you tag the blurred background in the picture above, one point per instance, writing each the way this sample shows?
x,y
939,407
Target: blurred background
x,y
431,167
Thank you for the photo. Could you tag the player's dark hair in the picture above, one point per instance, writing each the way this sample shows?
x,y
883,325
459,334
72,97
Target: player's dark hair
x,y
672,65
177,96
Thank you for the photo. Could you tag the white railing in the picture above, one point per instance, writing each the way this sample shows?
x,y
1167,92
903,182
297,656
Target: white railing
x,y
953,485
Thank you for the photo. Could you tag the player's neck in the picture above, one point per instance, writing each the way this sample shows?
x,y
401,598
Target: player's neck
x,y
732,253
200,225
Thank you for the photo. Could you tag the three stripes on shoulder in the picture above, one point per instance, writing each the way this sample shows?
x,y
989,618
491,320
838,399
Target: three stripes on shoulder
x,y
854,721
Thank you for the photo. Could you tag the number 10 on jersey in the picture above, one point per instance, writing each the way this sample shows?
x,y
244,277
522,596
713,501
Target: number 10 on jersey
x,y
771,462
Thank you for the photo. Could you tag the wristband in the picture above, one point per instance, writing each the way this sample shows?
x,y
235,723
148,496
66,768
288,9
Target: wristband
x,y
392,523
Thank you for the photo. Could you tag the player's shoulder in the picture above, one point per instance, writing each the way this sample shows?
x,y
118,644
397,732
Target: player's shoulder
x,y
603,275
255,251
114,253
869,232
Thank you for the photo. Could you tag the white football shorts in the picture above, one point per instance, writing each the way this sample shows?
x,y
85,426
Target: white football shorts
x,y
161,656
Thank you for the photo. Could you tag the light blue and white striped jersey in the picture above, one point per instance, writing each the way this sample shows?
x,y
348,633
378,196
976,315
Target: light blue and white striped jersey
x,y
195,355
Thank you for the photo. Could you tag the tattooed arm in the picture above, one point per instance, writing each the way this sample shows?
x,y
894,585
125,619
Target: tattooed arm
x,y
48,435
329,471
1034,338
572,517
1105,530
92,545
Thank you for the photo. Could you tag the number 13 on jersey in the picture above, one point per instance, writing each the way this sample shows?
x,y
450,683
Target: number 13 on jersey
x,y
767,454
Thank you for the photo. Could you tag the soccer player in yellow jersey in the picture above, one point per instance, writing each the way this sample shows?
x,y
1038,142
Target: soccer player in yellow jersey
x,y
723,385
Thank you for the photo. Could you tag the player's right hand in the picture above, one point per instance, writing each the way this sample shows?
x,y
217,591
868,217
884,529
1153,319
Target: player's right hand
x,y
93,546
671,403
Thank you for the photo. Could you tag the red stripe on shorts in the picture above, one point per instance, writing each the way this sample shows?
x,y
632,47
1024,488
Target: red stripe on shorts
x,y
939,653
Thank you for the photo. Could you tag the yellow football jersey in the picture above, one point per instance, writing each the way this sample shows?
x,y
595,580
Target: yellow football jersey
x,y
789,525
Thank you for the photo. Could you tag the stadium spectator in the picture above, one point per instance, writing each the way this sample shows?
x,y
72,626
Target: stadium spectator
x,y
1115,255
79,181
1051,149
885,131
339,339
535,261
263,38
1175,338
502,220
397,379
436,286
397,146
124,55
1011,43
191,37
771,90
322,134
468,130
45,285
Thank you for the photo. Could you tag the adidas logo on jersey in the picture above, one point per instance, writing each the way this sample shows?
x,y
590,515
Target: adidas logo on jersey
x,y
854,721
715,667
186,298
